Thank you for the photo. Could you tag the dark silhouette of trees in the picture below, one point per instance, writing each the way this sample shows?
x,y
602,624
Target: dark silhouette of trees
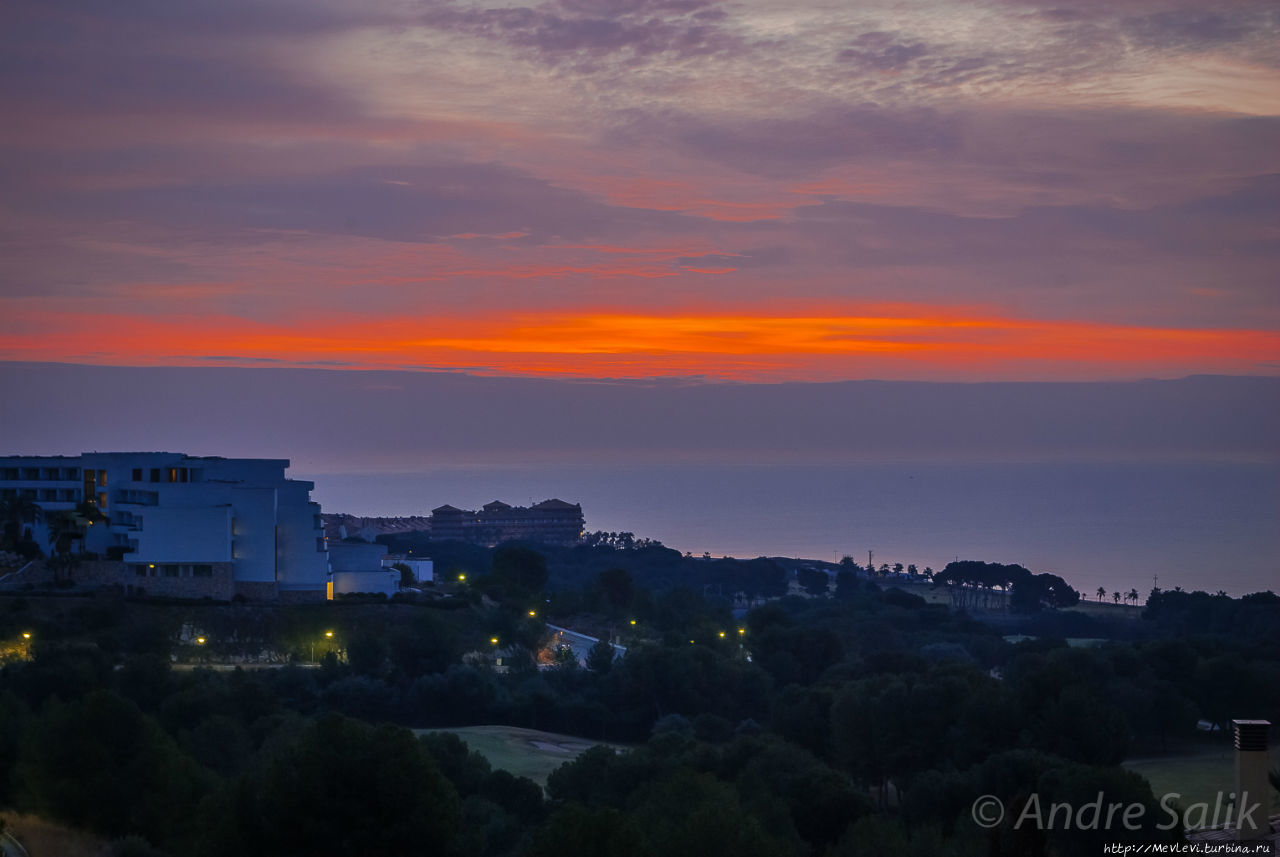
x,y
600,657
344,787
812,580
521,567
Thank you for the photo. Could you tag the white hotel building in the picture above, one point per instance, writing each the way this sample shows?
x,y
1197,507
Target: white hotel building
x,y
182,525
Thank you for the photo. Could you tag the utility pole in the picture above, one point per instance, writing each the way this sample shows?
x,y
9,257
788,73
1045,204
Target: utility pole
x,y
870,564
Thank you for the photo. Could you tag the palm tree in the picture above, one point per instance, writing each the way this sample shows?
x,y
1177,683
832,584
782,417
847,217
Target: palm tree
x,y
1102,593
15,515
1133,596
1115,596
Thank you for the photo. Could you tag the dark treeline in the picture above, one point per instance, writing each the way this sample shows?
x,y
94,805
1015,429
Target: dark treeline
x,y
863,723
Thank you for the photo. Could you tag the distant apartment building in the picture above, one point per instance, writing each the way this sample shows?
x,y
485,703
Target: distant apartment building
x,y
177,525
551,522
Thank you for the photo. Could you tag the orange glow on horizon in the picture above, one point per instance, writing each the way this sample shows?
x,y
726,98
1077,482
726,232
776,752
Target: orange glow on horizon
x,y
753,344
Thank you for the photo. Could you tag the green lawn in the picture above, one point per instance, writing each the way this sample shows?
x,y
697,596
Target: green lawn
x,y
523,752
1198,776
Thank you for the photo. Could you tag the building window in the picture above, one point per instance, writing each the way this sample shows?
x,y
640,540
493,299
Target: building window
x,y
137,474
155,474
49,495
102,479
170,570
140,570
202,571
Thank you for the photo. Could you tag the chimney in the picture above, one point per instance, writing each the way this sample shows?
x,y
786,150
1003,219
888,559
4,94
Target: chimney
x,y
1252,785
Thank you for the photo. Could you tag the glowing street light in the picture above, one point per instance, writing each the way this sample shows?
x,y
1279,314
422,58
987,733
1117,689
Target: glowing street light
x,y
722,635
533,612
200,641
633,621
328,635
462,578
742,631
493,640
26,635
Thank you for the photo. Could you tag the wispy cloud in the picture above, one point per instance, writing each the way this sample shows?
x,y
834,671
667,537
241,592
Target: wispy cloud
x,y
1109,164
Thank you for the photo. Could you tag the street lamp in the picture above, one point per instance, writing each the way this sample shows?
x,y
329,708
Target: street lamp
x,y
328,635
26,635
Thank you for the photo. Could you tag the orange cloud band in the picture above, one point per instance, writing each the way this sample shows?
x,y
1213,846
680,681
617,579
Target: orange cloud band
x,y
840,342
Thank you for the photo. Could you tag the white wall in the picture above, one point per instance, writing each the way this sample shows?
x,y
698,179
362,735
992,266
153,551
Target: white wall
x,y
302,562
423,569
184,535
345,582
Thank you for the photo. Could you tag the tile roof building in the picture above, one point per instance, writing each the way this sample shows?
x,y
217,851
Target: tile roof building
x,y
551,522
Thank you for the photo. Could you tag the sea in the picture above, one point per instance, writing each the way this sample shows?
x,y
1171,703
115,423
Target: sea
x,y
1119,526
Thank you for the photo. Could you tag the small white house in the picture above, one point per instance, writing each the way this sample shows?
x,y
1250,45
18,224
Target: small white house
x,y
423,569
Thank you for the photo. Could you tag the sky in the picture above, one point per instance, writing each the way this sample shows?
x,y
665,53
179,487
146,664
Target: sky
x,y
629,189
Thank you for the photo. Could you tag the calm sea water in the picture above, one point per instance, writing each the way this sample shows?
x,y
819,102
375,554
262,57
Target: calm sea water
x,y
1199,525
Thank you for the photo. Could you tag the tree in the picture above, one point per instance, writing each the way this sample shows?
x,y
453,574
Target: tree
x,y
1102,593
1115,596
617,587
19,515
813,581
600,658
100,763
344,787
521,567
406,573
